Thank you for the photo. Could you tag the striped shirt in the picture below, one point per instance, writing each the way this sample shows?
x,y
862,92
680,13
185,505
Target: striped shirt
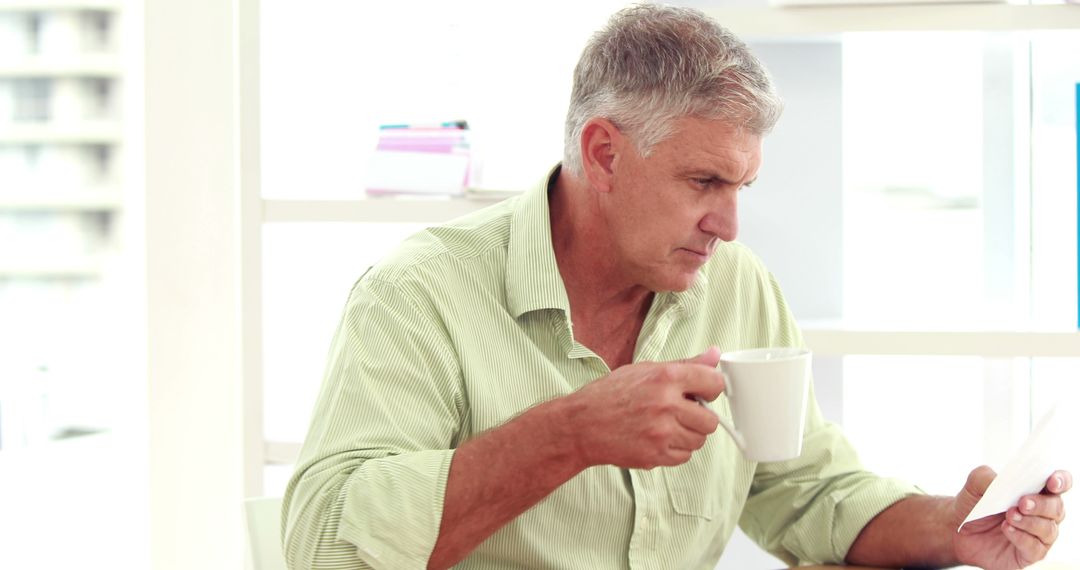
x,y
468,324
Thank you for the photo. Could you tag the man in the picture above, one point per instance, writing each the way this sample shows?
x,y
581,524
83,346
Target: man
x,y
515,389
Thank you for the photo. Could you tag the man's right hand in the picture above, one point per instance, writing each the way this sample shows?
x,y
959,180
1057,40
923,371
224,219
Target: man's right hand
x,y
643,415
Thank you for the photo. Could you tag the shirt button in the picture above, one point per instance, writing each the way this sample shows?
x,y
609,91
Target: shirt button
x,y
644,521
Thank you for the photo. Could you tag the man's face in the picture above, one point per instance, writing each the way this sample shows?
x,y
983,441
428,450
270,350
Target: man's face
x,y
667,212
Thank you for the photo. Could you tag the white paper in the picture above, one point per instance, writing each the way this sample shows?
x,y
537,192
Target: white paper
x,y
1026,473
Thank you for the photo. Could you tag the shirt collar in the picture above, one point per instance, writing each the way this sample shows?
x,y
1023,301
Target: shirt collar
x,y
533,281
688,300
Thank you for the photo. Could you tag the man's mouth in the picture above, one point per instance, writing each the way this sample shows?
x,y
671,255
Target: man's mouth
x,y
702,256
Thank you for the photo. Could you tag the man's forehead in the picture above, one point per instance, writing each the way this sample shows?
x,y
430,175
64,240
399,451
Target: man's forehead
x,y
716,132
714,147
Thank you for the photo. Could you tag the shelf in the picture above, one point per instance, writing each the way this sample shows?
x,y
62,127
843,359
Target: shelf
x,y
83,66
56,5
95,201
825,20
281,452
372,210
90,133
989,344
50,269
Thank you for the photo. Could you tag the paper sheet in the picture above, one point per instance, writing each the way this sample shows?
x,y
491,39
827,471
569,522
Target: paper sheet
x,y
1026,473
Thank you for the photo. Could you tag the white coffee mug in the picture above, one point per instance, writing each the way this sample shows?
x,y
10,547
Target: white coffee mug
x,y
767,389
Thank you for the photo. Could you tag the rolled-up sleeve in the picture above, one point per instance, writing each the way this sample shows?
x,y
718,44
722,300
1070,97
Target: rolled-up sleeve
x,y
369,485
810,510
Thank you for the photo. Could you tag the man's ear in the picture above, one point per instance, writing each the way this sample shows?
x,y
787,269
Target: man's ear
x,y
600,144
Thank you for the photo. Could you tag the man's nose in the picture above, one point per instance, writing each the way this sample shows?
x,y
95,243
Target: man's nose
x,y
722,219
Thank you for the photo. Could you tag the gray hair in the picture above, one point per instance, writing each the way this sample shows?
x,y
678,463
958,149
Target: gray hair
x,y
652,65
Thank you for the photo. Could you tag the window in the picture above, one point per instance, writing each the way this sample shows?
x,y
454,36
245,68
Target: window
x,y
919,181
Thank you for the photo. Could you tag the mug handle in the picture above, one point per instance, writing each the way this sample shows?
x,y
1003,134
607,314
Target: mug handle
x,y
735,435
740,440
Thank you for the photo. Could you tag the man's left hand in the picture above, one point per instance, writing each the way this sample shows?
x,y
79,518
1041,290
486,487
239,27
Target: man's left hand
x,y
1017,538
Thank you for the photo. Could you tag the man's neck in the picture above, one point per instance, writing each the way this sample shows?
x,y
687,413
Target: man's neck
x,y
588,263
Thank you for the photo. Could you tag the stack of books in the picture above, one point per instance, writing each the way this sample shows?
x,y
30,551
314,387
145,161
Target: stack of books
x,y
421,159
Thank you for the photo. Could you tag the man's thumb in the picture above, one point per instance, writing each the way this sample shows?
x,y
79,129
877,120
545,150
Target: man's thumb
x,y
974,488
978,480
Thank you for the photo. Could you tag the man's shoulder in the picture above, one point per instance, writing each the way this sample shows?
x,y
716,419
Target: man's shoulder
x,y
735,257
737,272
436,253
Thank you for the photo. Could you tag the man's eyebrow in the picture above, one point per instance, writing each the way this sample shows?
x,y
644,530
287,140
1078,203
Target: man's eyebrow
x,y
713,175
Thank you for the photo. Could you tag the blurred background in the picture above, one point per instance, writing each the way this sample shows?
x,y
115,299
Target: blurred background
x,y
188,191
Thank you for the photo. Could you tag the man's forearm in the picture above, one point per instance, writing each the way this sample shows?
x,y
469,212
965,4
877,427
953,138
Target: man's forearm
x,y
916,531
499,475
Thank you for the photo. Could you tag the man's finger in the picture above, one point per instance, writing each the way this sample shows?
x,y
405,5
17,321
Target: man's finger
x,y
1044,529
1047,506
1029,549
710,358
705,383
697,418
1059,482
689,441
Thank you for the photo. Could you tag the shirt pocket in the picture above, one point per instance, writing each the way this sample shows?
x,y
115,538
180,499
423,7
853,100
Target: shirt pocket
x,y
695,487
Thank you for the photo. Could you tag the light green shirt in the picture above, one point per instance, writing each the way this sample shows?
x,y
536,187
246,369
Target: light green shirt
x,y
468,324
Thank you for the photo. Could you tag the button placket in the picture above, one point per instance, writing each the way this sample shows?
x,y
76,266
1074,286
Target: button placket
x,y
635,556
655,338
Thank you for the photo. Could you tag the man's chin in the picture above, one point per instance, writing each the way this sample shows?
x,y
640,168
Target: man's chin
x,y
679,283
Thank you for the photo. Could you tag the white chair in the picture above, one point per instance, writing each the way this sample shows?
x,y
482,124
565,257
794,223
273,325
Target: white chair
x,y
263,518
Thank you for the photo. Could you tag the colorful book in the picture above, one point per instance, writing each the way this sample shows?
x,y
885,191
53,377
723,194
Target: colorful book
x,y
421,159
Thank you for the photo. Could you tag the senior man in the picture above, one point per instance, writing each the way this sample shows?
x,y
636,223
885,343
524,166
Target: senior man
x,y
514,389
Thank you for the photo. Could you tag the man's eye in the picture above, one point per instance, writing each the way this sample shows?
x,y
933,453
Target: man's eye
x,y
703,182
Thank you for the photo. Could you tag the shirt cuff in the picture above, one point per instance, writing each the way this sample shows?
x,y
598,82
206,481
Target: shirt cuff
x,y
857,507
393,508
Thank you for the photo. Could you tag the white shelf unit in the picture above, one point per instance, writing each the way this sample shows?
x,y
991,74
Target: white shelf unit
x,y
89,133
791,23
55,268
60,5
987,344
405,209
830,20
105,200
95,65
